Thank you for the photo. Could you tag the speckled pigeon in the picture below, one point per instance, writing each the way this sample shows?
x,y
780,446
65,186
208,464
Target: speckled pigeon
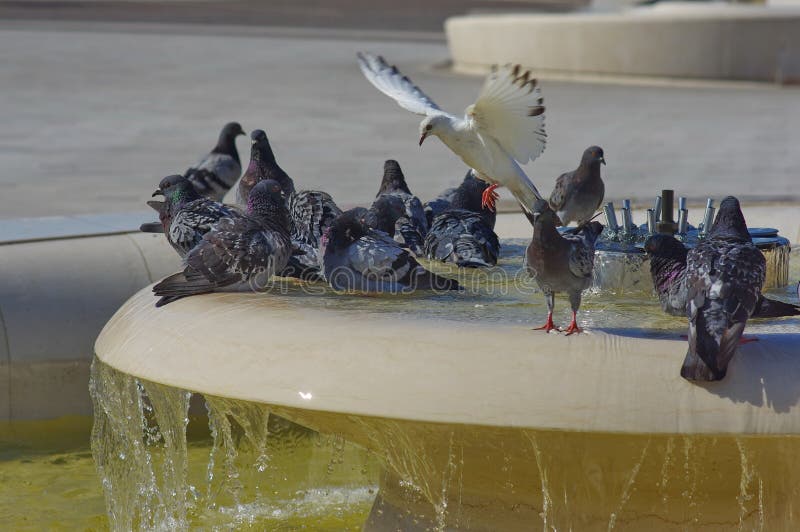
x,y
579,193
724,276
560,263
439,204
185,215
356,257
247,248
668,269
216,173
464,233
310,211
397,212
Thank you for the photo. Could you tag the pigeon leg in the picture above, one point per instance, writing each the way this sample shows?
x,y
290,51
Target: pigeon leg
x,y
575,303
489,197
548,326
573,327
746,340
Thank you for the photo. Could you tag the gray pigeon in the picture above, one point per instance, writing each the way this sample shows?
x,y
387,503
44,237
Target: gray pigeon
x,y
560,263
579,193
464,233
667,257
310,211
440,203
356,257
216,173
238,249
185,215
724,276
396,211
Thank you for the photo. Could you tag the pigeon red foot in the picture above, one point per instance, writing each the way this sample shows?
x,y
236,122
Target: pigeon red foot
x,y
747,339
490,197
573,327
548,326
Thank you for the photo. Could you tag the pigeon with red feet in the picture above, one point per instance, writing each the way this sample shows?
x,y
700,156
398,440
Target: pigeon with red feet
x,y
560,263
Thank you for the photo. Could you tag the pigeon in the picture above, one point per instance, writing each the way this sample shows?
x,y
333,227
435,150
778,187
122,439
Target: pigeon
x,y
397,212
439,204
667,257
464,233
310,211
262,166
501,130
185,215
216,173
579,193
724,276
560,263
356,257
238,249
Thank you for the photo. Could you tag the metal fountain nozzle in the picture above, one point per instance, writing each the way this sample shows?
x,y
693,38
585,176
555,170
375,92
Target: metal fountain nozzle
x,y
708,217
651,221
627,218
683,216
667,223
611,216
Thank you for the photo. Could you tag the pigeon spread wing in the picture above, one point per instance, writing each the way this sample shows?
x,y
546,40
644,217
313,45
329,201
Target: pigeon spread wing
x,y
390,81
510,109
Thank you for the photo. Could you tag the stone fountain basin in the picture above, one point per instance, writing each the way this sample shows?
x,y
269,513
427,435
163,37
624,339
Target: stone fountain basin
x,y
480,426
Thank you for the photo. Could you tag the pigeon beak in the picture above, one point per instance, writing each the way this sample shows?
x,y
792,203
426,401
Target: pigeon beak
x,y
602,160
423,137
158,192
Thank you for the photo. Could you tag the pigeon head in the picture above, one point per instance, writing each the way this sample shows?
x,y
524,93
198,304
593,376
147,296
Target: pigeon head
x,y
729,223
592,229
266,199
665,247
176,188
393,179
231,130
347,228
593,155
260,149
432,125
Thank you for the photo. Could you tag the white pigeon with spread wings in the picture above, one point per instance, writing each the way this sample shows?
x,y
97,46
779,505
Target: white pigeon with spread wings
x,y
501,130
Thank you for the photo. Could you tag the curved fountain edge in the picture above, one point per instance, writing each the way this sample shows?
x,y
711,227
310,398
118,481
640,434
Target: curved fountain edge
x,y
250,347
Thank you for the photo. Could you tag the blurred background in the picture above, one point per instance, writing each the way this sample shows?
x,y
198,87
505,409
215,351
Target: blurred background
x,y
102,98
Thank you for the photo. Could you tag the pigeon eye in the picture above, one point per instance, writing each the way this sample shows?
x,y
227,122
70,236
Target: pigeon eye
x,y
428,127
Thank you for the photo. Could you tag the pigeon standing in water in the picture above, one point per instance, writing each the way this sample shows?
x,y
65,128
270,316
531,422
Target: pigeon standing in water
x,y
216,173
667,257
238,249
501,130
357,257
560,263
464,233
397,212
724,276
579,193
185,215
310,211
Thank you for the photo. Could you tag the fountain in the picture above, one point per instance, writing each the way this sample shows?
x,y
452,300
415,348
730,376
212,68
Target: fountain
x,y
474,421
620,258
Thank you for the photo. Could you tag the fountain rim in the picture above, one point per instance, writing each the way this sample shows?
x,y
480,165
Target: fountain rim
x,y
596,382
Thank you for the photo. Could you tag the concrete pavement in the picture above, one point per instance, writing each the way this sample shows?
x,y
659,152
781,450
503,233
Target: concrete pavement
x,y
92,119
